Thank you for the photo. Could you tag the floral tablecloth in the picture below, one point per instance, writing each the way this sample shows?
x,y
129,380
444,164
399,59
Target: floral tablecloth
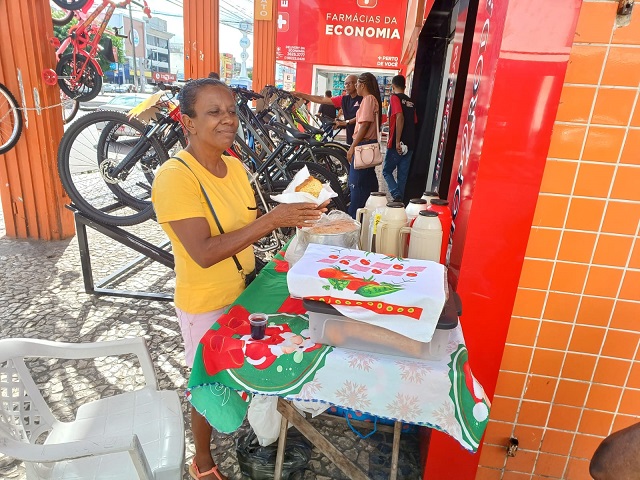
x,y
229,366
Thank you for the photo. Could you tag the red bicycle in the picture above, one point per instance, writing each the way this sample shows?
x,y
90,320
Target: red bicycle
x,y
78,73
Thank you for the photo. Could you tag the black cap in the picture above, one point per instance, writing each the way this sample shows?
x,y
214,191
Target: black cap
x,y
431,194
378,194
437,201
419,201
395,205
427,213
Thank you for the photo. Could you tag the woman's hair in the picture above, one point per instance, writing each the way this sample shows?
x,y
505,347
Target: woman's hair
x,y
371,84
189,93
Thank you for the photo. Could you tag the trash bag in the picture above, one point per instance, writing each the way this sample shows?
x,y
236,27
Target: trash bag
x,y
264,418
259,463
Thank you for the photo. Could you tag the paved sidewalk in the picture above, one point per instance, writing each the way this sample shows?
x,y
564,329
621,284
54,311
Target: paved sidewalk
x,y
42,296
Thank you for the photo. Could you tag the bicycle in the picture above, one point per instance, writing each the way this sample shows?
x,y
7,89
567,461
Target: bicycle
x,y
78,73
106,160
10,120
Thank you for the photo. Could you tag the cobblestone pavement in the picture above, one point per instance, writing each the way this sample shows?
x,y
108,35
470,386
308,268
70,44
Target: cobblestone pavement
x,y
42,296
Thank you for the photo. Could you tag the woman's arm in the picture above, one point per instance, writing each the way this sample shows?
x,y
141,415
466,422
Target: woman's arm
x,y
207,250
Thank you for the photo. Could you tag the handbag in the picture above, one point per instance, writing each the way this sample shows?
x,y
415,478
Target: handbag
x,y
368,155
247,277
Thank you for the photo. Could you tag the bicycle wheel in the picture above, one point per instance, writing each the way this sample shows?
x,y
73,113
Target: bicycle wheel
x,y
337,145
69,107
325,176
10,120
87,87
60,16
91,149
333,160
70,4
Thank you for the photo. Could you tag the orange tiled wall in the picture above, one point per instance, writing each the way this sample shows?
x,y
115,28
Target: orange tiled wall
x,y
570,374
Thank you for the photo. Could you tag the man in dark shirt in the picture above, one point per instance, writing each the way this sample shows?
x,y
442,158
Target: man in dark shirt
x,y
402,120
327,112
349,104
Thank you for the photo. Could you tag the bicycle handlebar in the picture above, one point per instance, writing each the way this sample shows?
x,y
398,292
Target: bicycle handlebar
x,y
172,88
248,94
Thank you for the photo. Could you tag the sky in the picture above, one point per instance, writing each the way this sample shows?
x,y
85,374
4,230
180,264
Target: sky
x,y
229,37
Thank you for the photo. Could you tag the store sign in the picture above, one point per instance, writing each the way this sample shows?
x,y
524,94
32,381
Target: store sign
x,y
262,9
361,33
482,66
163,77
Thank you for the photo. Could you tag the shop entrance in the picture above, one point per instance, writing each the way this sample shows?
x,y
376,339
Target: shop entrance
x,y
439,79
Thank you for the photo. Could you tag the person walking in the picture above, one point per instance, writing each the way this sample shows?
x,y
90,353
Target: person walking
x,y
186,194
364,181
349,103
402,121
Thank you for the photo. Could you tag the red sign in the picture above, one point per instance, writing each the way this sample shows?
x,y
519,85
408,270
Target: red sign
x,y
358,33
164,77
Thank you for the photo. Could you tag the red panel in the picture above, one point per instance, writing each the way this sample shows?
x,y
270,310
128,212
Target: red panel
x,y
496,179
359,33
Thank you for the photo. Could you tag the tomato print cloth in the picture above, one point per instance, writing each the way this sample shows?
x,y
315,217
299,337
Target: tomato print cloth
x,y
405,296
230,366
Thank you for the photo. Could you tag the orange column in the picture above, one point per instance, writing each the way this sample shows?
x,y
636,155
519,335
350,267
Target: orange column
x,y
264,46
32,197
201,38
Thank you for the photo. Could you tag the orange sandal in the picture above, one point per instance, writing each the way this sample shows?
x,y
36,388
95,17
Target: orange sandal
x,y
196,475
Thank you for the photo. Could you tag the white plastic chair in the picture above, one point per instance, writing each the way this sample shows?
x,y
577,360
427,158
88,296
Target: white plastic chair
x,y
137,434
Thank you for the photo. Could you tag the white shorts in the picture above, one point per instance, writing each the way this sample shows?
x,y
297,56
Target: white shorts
x,y
193,327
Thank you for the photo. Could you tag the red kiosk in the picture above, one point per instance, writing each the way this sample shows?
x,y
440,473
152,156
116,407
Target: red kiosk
x,y
486,76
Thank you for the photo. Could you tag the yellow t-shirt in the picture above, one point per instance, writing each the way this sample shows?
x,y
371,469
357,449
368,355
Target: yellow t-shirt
x,y
176,195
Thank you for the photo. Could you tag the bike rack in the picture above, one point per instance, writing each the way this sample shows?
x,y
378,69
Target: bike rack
x,y
148,251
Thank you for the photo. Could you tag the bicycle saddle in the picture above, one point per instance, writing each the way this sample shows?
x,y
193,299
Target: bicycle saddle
x,y
291,131
287,136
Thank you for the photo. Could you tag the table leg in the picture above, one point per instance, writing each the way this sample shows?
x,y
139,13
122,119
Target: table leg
x,y
395,451
314,436
282,445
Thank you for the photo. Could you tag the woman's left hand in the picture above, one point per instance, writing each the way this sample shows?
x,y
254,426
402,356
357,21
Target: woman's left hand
x,y
350,154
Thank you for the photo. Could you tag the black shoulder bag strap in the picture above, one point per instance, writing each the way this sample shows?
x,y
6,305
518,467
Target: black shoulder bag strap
x,y
215,217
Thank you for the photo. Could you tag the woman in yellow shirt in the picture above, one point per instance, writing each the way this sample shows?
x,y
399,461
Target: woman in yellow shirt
x,y
207,278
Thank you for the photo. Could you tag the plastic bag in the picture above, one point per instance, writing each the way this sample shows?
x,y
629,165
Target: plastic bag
x,y
289,195
264,418
258,463
335,228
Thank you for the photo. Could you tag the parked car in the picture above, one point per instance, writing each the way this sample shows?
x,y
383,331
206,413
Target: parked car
x,y
125,102
109,87
125,88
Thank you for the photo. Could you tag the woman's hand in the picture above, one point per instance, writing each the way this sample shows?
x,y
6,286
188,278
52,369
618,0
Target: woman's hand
x,y
295,214
350,153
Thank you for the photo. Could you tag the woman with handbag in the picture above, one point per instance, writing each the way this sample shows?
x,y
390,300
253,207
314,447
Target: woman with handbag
x,y
364,154
204,202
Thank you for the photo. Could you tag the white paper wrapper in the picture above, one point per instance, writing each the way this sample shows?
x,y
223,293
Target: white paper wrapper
x,y
291,196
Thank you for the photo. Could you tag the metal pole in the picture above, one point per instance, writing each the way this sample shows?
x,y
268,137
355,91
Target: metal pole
x,y
133,44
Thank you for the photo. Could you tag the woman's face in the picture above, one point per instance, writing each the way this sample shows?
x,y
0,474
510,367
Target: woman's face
x,y
215,122
360,88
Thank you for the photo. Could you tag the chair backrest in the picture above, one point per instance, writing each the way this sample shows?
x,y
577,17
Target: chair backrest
x,y
24,414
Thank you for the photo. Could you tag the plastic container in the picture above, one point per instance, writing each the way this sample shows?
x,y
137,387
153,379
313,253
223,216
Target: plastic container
x,y
329,327
425,237
441,207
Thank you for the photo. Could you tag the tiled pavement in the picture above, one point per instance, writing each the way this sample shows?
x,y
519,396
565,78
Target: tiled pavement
x,y
42,296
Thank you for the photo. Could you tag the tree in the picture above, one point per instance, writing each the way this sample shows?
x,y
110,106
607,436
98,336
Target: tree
x,y
63,32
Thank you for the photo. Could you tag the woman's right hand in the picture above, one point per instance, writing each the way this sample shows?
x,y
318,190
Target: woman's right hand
x,y
294,214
